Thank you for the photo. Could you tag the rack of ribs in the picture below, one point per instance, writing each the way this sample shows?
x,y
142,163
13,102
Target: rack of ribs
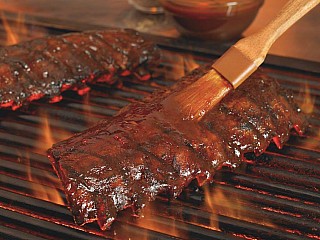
x,y
143,151
51,65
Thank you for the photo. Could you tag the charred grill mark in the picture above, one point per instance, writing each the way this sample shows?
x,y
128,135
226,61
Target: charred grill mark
x,y
49,66
171,155
223,124
281,110
158,154
249,124
270,122
73,60
114,48
91,46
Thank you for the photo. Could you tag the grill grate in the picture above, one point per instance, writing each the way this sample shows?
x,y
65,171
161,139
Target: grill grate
x,y
274,196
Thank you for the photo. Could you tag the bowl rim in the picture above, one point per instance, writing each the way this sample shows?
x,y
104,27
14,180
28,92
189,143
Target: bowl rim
x,y
213,3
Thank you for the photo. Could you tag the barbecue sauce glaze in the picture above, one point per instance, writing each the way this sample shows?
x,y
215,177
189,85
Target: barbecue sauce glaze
x,y
144,151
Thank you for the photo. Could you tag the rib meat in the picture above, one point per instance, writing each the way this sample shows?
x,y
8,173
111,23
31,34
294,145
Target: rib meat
x,y
143,151
48,66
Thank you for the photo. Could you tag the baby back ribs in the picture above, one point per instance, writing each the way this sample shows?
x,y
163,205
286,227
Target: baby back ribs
x,y
143,151
48,66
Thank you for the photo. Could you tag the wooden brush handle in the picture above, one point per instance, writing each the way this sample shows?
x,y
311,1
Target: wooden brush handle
x,y
238,63
256,46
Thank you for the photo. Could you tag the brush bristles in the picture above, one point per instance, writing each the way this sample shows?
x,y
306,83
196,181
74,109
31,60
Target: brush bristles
x,y
201,96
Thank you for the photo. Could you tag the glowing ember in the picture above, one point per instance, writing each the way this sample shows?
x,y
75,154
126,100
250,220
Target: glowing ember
x,y
55,99
125,73
276,140
83,91
144,77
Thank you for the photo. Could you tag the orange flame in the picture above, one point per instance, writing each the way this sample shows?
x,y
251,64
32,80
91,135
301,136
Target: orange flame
x,y
13,32
147,220
222,203
314,141
211,204
307,105
47,140
17,30
308,102
87,108
180,64
44,184
47,193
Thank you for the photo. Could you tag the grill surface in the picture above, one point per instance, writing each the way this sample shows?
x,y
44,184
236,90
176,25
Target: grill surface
x,y
274,196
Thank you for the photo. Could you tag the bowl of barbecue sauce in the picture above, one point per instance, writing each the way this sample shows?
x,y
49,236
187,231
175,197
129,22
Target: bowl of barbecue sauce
x,y
219,20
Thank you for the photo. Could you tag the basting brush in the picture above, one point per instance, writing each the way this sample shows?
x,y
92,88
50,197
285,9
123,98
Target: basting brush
x,y
236,65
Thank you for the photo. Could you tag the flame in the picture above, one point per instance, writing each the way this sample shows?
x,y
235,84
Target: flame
x,y
217,201
14,31
211,204
17,30
147,220
87,108
307,106
308,101
47,140
180,64
189,63
44,184
314,141
45,192
222,203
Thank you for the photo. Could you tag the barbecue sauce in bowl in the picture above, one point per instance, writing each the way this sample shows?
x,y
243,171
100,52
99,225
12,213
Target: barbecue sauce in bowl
x,y
218,20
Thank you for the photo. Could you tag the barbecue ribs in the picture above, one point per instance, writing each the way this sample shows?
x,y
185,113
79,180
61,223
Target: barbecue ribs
x,y
48,66
143,151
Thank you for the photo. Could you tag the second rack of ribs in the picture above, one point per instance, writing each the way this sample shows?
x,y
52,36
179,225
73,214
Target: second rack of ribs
x,y
50,65
142,152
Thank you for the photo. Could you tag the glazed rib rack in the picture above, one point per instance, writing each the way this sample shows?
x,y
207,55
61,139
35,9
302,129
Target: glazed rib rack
x,y
274,196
